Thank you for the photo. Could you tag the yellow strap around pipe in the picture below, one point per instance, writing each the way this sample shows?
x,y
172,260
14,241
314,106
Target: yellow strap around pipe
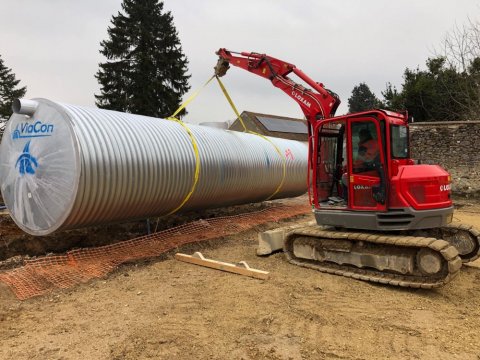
x,y
197,165
284,159
194,145
284,163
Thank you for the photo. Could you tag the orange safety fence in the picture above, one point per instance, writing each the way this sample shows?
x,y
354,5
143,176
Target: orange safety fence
x,y
44,274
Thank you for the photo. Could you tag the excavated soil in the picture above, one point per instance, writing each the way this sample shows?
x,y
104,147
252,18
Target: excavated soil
x,y
165,309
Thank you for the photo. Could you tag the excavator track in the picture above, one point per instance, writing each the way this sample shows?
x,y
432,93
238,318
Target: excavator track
x,y
465,238
406,261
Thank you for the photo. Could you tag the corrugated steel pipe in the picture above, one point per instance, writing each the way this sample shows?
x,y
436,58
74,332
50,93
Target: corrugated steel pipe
x,y
65,166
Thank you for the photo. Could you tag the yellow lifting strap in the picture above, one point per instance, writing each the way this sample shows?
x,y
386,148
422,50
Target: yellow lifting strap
x,y
230,101
189,100
282,156
194,145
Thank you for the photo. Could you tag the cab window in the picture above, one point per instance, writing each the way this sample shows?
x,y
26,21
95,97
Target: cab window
x,y
399,141
365,151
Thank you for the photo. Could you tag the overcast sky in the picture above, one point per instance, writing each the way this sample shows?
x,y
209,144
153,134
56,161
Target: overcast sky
x,y
53,45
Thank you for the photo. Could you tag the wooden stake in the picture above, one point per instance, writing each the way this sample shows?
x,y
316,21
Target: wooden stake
x,y
241,268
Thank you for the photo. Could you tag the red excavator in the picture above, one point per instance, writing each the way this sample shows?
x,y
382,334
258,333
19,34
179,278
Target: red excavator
x,y
361,177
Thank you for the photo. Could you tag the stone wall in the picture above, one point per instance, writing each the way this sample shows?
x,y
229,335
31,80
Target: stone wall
x,y
455,145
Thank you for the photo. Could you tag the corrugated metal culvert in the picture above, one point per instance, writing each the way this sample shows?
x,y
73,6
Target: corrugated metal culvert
x,y
65,166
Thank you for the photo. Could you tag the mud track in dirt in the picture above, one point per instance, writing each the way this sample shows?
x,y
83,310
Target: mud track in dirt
x,y
165,309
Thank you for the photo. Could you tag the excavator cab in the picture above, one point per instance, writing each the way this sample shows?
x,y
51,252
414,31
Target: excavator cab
x,y
350,160
363,177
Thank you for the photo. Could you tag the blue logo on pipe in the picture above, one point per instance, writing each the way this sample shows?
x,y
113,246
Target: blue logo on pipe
x,y
26,162
29,130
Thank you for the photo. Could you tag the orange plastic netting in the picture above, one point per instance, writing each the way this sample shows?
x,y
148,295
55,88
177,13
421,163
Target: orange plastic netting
x,y
44,274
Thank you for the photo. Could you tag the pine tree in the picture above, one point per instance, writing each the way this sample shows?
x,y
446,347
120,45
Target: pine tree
x,y
362,99
8,90
145,71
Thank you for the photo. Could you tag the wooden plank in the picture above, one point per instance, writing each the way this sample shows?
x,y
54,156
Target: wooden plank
x,y
242,268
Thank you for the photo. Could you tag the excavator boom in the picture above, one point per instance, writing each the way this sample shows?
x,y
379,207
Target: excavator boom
x,y
316,103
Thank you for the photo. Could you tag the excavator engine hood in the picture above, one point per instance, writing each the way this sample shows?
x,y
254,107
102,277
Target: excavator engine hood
x,y
425,187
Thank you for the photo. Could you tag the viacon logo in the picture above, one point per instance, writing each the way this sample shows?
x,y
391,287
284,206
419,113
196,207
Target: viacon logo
x,y
28,130
26,162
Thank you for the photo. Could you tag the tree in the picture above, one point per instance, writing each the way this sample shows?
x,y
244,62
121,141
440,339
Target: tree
x,y
8,90
449,87
145,71
393,100
435,94
438,93
461,45
461,50
362,99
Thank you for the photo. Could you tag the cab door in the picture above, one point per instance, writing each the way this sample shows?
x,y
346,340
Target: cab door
x,y
367,183
329,163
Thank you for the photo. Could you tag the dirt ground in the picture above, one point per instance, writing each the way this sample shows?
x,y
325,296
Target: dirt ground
x,y
165,309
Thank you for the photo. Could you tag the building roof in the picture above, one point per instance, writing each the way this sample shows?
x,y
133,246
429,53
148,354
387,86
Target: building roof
x,y
273,125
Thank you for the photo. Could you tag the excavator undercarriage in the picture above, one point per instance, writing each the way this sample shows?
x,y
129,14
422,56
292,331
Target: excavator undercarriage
x,y
426,258
465,238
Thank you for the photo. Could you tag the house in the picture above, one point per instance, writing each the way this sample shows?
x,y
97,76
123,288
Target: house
x,y
272,125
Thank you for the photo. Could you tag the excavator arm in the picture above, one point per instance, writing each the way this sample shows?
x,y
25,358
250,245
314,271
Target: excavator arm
x,y
316,103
